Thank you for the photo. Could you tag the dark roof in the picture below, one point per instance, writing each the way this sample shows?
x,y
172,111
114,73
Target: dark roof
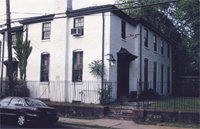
x,y
37,19
13,29
100,9
152,28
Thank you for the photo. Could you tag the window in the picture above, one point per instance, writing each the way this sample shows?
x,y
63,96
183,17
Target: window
x,y
154,75
162,47
168,50
155,42
46,31
79,23
168,79
5,101
123,29
162,78
145,37
77,66
15,102
32,102
44,77
145,74
14,38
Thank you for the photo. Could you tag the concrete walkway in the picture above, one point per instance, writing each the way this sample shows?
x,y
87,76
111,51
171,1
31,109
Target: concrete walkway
x,y
119,124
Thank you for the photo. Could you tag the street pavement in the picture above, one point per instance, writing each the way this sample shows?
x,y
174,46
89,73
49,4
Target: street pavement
x,y
110,123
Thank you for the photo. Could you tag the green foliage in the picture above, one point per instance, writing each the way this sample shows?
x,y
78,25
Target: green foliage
x,y
20,88
96,68
186,19
149,94
21,55
178,103
180,22
105,94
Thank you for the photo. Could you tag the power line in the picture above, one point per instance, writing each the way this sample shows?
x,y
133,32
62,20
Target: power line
x,y
83,13
27,13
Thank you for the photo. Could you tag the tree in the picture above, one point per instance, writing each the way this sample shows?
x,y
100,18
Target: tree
x,y
180,22
20,53
186,19
96,68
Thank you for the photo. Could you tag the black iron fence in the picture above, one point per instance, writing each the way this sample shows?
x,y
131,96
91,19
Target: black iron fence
x,y
78,92
167,96
159,95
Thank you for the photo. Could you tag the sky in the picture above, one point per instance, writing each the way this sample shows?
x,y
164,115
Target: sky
x,y
31,8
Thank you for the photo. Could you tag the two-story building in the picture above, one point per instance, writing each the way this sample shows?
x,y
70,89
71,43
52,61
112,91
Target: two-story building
x,y
64,44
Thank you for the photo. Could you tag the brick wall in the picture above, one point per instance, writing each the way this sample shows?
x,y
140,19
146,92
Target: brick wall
x,y
187,117
80,111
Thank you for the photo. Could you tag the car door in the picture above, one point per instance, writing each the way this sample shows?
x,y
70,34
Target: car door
x,y
3,104
13,108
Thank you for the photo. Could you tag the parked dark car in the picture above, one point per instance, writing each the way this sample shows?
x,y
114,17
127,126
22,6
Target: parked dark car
x,y
23,110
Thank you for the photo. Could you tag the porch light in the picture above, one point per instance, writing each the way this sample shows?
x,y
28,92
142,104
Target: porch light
x,y
111,60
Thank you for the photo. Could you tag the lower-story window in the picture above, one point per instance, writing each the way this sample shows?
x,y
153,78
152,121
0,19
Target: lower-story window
x,y
146,74
44,77
77,66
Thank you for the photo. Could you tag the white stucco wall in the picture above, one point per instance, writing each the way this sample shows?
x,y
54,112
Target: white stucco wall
x,y
90,43
62,44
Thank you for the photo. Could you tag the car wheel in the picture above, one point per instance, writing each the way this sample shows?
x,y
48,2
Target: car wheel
x,y
21,120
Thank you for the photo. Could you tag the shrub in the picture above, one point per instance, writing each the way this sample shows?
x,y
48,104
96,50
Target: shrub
x,y
105,94
20,88
149,94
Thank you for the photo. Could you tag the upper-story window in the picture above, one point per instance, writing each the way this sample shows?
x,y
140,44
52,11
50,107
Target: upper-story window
x,y
44,77
77,66
79,23
162,47
14,38
123,29
145,37
168,50
46,31
155,42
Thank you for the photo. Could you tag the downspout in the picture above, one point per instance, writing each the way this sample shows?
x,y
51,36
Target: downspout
x,y
102,75
2,63
67,48
26,52
140,83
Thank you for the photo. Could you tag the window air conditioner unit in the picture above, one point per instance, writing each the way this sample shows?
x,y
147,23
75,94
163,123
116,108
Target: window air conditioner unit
x,y
77,32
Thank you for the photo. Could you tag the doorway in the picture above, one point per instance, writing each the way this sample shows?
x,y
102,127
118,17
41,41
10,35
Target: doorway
x,y
123,61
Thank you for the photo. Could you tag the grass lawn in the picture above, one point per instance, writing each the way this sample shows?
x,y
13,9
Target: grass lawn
x,y
195,126
178,103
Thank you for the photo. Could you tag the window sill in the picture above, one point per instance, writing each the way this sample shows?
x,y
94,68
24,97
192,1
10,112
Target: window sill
x,y
124,40
146,47
46,40
155,52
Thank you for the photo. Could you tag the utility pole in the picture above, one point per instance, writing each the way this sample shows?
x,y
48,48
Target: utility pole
x,y
10,63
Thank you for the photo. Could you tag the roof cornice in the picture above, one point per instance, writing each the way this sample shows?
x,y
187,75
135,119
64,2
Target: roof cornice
x,y
13,29
153,29
37,19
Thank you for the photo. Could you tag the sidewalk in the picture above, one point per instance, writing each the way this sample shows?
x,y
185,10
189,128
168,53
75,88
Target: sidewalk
x,y
119,124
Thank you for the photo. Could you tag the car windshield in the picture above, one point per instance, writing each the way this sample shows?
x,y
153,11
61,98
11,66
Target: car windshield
x,y
32,102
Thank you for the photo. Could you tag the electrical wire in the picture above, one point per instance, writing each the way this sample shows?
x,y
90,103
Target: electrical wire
x,y
80,14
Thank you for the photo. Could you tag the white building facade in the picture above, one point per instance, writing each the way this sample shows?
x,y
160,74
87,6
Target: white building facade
x,y
64,45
